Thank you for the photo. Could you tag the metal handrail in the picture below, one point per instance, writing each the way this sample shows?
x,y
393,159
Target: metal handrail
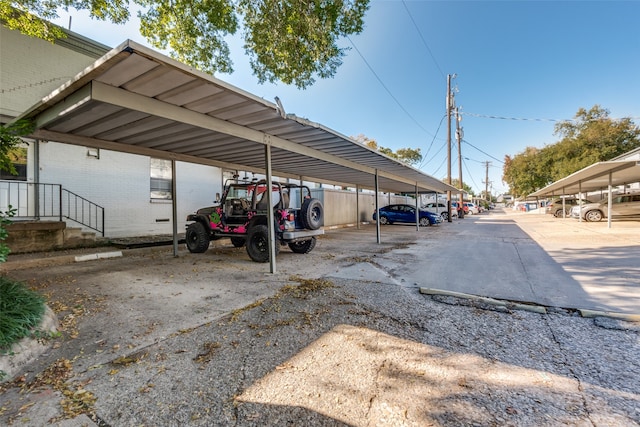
x,y
37,200
84,211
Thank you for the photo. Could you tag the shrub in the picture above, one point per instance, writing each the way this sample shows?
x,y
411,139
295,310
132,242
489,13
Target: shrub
x,y
4,221
21,310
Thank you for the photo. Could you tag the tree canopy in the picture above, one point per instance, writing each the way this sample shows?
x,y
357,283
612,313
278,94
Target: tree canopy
x,y
9,140
410,156
465,187
293,41
591,137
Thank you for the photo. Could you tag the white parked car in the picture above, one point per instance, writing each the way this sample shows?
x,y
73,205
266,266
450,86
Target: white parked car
x,y
440,209
473,208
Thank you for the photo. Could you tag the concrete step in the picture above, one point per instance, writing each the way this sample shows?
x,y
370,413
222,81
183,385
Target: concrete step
x,y
76,237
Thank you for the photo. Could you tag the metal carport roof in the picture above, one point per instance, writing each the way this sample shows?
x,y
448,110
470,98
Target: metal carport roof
x,y
139,101
598,176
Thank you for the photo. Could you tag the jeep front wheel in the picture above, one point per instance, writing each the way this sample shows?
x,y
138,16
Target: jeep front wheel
x,y
303,246
258,243
197,238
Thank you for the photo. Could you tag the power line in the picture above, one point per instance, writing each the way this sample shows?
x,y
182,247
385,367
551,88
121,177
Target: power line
x,y
423,163
484,116
473,160
441,164
387,89
469,174
432,141
486,154
479,161
424,42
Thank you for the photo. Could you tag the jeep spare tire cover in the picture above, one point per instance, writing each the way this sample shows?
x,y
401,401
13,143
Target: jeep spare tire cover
x,y
312,214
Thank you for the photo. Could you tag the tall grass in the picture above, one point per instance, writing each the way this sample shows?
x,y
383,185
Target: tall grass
x,y
21,310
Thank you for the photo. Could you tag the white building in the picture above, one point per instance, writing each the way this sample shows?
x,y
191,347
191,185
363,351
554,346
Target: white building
x,y
134,190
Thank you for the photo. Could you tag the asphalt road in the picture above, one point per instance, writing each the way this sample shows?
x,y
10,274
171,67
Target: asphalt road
x,y
343,336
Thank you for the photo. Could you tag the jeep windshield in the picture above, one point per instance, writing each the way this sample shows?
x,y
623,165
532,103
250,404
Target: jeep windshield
x,y
239,192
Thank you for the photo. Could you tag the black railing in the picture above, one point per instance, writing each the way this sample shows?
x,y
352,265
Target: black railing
x,y
35,200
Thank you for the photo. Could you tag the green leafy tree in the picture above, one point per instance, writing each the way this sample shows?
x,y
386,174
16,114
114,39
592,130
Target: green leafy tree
x,y
591,137
467,189
522,172
409,156
9,140
292,41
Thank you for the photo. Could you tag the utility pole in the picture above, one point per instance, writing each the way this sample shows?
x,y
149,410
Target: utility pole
x,y
486,181
450,104
459,134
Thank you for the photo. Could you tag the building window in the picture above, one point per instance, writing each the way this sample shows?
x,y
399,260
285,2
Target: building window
x,y
161,179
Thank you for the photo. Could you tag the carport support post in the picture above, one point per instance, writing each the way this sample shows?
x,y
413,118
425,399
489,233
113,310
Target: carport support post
x,y
174,207
301,196
36,178
417,210
270,217
580,198
376,184
609,202
357,207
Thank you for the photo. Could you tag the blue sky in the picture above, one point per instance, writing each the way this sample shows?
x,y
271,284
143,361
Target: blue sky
x,y
521,66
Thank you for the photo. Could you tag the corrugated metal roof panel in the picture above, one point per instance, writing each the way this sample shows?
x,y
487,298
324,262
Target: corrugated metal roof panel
x,y
136,100
593,178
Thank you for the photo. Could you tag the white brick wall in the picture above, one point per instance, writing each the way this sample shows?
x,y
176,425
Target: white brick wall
x,y
31,68
120,183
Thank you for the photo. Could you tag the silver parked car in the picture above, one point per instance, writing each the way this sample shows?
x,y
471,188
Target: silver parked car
x,y
622,206
554,207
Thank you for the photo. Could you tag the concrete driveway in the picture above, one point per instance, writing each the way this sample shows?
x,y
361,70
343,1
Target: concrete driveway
x,y
341,336
526,257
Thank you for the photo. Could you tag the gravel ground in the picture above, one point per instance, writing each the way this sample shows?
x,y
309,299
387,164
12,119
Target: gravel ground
x,y
322,350
365,354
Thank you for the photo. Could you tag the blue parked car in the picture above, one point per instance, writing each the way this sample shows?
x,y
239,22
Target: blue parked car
x,y
406,213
